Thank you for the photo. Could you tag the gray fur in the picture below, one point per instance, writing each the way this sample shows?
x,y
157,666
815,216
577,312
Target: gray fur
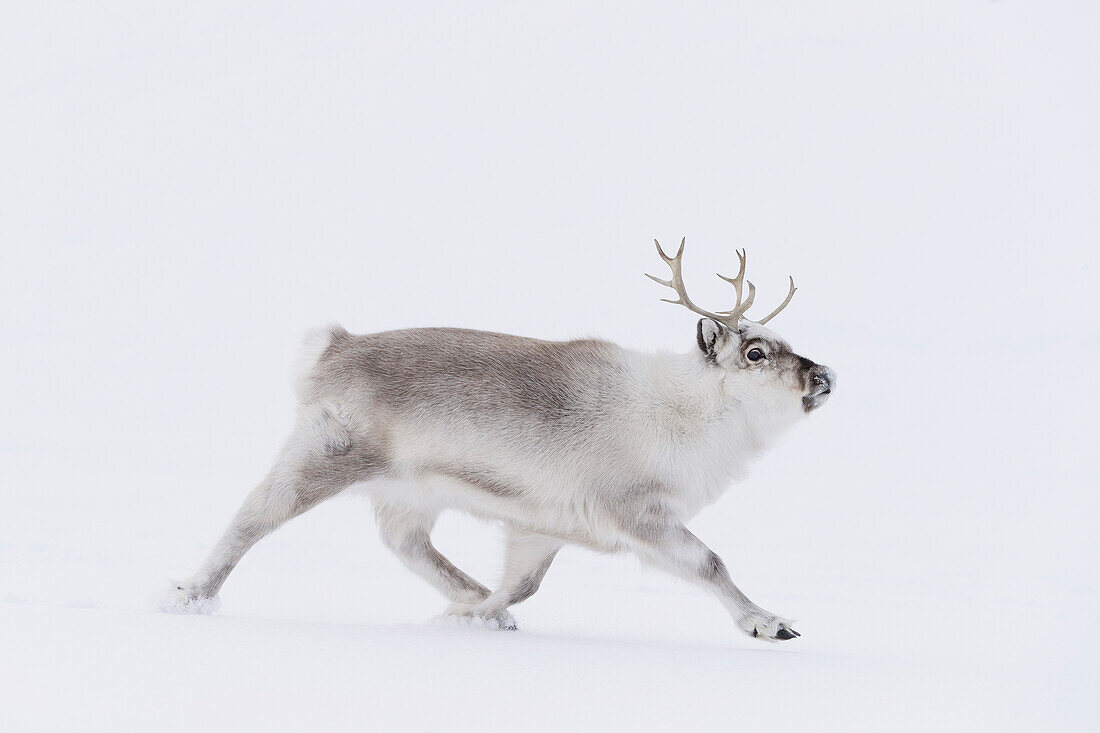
x,y
482,374
713,568
531,582
563,442
409,538
479,478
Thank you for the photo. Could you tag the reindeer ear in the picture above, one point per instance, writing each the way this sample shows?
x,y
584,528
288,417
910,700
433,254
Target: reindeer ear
x,y
711,335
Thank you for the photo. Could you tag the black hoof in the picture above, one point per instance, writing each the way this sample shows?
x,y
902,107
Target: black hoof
x,y
785,633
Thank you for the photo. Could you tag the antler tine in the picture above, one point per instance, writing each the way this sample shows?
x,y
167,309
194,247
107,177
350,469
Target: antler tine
x,y
737,282
676,282
782,305
739,311
676,258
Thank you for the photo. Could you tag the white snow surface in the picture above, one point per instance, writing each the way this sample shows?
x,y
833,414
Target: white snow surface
x,y
187,189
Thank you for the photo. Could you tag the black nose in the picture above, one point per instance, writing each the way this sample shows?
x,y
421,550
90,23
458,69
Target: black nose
x,y
822,379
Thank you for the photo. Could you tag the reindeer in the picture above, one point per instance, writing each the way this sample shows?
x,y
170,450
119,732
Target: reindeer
x,y
576,442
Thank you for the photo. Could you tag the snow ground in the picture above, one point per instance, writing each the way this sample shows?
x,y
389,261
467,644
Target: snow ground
x,y
186,190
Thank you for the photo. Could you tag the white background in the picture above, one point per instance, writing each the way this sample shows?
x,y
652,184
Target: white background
x,y
185,188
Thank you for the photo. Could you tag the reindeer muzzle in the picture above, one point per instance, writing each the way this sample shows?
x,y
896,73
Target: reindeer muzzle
x,y
821,381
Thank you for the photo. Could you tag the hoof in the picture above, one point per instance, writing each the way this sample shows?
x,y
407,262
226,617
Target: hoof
x,y
466,616
504,621
178,599
766,627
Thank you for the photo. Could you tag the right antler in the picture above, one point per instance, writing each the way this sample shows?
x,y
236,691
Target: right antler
x,y
728,318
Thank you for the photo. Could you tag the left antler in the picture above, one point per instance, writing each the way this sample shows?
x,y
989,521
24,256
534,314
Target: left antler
x,y
728,318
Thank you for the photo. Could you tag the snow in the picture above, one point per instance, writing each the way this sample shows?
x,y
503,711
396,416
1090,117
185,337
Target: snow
x,y
188,191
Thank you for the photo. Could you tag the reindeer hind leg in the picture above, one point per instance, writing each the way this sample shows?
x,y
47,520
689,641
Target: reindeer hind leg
x,y
320,460
406,531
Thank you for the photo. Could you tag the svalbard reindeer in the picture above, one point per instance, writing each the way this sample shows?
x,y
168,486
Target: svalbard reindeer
x,y
574,442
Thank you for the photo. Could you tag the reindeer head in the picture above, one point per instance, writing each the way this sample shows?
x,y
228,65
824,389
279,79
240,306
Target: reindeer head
x,y
759,367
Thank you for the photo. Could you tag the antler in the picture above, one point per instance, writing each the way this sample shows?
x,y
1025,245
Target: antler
x,y
774,313
728,318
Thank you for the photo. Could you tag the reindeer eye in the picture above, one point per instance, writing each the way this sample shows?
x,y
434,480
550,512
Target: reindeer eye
x,y
755,355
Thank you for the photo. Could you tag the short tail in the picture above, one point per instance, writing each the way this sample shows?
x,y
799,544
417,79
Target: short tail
x,y
314,346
